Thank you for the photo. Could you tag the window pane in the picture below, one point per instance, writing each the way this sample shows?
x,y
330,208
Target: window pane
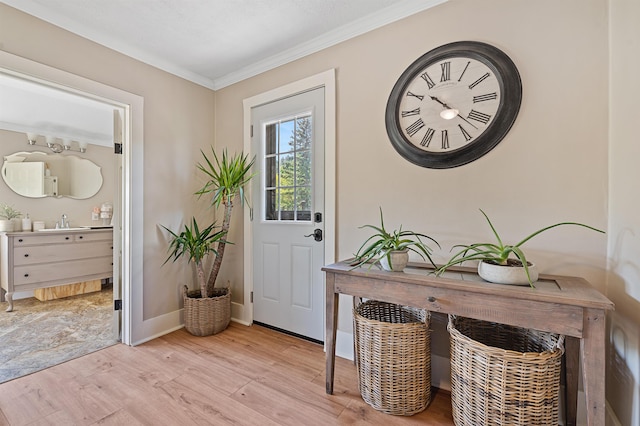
x,y
303,203
303,168
271,136
287,170
286,203
286,136
303,133
270,205
271,170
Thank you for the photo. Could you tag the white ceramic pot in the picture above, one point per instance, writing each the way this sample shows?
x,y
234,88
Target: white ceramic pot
x,y
506,274
6,225
399,260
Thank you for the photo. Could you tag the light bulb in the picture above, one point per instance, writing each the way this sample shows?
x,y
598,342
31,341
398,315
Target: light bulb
x,y
66,143
449,114
31,137
83,146
50,140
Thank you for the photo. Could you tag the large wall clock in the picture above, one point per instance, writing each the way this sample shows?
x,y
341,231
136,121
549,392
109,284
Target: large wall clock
x,y
453,104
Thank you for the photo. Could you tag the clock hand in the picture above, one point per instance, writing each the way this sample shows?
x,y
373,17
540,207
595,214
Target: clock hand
x,y
448,108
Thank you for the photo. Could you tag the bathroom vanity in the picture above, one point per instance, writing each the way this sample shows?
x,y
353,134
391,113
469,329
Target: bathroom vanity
x,y
35,260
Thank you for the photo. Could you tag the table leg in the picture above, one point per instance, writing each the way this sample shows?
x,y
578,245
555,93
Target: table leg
x,y
593,365
332,299
572,370
9,297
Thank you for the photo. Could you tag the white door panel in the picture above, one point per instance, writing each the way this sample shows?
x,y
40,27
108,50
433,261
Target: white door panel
x,y
288,193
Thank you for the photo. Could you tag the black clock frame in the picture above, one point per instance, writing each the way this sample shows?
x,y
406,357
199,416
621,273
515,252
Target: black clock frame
x,y
510,85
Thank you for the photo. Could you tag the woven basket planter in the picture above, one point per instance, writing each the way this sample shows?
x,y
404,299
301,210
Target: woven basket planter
x,y
393,357
211,315
503,375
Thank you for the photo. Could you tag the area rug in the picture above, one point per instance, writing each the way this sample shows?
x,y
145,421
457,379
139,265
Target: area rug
x,y
37,335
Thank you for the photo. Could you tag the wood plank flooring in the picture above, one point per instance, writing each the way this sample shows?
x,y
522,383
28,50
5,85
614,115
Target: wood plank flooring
x,y
242,376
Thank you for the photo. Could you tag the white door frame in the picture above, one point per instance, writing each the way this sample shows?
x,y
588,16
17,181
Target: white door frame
x,y
131,208
243,313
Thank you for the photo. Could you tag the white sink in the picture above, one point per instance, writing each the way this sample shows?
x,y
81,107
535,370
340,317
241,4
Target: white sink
x,y
82,228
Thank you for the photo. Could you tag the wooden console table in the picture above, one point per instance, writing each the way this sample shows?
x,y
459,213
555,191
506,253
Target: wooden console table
x,y
558,304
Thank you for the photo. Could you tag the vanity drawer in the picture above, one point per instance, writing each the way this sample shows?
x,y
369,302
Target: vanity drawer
x,y
93,236
38,239
73,270
54,253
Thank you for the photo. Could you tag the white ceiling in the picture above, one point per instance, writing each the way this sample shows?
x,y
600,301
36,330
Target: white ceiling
x,y
213,43
216,43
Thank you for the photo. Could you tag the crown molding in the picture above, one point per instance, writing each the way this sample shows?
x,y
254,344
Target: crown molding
x,y
385,16
363,25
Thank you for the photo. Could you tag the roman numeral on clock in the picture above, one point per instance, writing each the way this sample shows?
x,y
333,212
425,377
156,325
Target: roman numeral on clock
x,y
483,98
420,97
445,139
410,113
426,78
464,70
415,127
467,136
446,71
479,116
426,140
478,81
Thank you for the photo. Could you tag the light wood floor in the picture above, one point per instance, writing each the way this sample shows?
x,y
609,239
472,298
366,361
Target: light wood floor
x,y
242,376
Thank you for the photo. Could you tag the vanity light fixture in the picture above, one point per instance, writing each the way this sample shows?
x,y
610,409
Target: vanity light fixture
x,y
50,141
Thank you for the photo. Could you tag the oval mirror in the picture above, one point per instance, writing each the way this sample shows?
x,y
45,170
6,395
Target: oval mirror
x,y
38,174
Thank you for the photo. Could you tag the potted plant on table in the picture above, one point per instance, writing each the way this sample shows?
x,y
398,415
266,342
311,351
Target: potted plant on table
x,y
391,249
7,215
500,263
226,177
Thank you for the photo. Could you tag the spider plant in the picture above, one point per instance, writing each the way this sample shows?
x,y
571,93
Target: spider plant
x,y
383,242
498,252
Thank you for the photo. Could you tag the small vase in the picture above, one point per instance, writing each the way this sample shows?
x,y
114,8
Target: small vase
x,y
6,225
399,260
507,274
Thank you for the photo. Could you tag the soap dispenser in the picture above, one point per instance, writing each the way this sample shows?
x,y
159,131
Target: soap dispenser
x,y
26,223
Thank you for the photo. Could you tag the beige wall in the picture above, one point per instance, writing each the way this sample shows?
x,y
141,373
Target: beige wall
x,y
178,121
623,376
551,167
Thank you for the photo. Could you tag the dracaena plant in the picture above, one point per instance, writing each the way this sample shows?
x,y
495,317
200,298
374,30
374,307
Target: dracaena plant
x,y
195,244
383,242
226,178
498,252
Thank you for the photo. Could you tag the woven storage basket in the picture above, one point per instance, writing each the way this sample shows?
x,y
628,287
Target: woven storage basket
x,y
503,375
393,357
211,315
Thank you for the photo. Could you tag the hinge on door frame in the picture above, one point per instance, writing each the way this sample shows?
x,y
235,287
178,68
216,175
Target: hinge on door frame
x,y
251,131
117,305
117,148
251,296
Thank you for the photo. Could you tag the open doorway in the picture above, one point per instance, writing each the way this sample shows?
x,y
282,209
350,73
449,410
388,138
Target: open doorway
x,y
123,184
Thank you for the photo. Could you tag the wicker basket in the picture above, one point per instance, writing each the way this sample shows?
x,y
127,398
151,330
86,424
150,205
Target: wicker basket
x,y
503,375
211,315
393,357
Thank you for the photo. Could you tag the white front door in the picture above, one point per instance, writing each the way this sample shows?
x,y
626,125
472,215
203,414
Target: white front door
x,y
288,218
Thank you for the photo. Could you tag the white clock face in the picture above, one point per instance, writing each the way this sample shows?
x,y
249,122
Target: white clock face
x,y
449,104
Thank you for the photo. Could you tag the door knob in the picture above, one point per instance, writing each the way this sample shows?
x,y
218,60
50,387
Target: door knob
x,y
317,234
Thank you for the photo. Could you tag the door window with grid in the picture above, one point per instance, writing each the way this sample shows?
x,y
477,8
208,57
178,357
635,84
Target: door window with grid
x,y
287,166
